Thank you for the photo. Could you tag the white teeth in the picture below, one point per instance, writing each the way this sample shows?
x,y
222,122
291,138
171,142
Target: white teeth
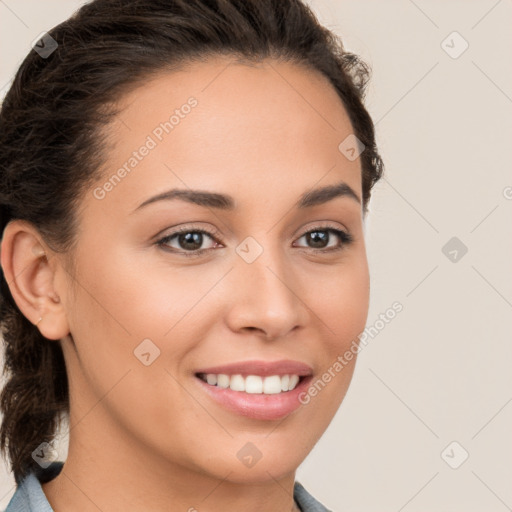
x,y
294,380
211,378
254,384
272,385
222,380
237,383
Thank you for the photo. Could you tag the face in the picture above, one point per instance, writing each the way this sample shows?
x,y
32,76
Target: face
x,y
238,288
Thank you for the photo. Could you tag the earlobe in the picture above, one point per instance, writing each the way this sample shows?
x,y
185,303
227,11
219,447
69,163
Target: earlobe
x,y
26,265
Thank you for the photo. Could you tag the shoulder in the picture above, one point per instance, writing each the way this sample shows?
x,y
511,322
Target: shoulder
x,y
29,495
305,501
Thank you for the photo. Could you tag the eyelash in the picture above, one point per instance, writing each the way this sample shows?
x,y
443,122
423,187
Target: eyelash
x,y
345,237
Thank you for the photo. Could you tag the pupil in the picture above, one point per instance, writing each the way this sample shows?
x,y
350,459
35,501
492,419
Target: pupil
x,y
319,236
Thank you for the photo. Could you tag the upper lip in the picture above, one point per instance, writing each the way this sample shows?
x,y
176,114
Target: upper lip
x,y
263,368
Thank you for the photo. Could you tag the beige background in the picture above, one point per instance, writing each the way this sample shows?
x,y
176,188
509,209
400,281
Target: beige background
x,y
440,370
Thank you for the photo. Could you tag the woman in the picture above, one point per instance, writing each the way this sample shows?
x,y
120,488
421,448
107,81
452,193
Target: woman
x,y
184,186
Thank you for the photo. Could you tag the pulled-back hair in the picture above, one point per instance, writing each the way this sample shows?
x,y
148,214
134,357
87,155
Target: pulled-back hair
x,y
52,146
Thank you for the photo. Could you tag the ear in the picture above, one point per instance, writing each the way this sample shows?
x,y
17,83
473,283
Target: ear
x,y
29,267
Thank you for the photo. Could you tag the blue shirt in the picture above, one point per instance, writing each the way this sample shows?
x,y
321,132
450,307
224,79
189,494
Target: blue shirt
x,y
30,497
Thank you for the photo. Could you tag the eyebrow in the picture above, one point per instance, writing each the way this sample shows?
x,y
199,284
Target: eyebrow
x,y
226,202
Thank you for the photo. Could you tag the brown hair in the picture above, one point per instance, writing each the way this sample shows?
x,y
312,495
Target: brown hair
x,y
51,144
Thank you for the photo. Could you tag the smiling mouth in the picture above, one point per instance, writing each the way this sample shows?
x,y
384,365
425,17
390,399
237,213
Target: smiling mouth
x,y
252,384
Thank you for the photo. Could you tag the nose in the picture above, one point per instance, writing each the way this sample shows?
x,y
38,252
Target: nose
x,y
266,297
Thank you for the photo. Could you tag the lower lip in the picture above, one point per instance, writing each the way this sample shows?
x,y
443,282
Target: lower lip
x,y
258,405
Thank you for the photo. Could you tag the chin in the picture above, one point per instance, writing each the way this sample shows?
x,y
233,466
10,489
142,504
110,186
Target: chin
x,y
246,465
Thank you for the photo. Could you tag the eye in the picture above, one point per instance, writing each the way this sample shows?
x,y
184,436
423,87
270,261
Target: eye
x,y
320,238
189,241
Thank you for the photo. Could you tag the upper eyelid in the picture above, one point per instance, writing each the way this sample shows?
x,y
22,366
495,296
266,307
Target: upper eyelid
x,y
319,224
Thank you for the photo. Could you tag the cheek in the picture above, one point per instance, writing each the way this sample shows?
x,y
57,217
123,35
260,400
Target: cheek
x,y
342,307
340,299
138,301
119,307
145,321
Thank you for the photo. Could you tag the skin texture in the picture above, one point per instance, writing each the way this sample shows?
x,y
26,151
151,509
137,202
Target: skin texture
x,y
149,437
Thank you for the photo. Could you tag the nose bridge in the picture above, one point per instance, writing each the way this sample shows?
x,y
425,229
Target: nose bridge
x,y
265,298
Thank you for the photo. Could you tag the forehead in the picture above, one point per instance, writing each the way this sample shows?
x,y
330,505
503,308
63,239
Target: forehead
x,y
271,125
